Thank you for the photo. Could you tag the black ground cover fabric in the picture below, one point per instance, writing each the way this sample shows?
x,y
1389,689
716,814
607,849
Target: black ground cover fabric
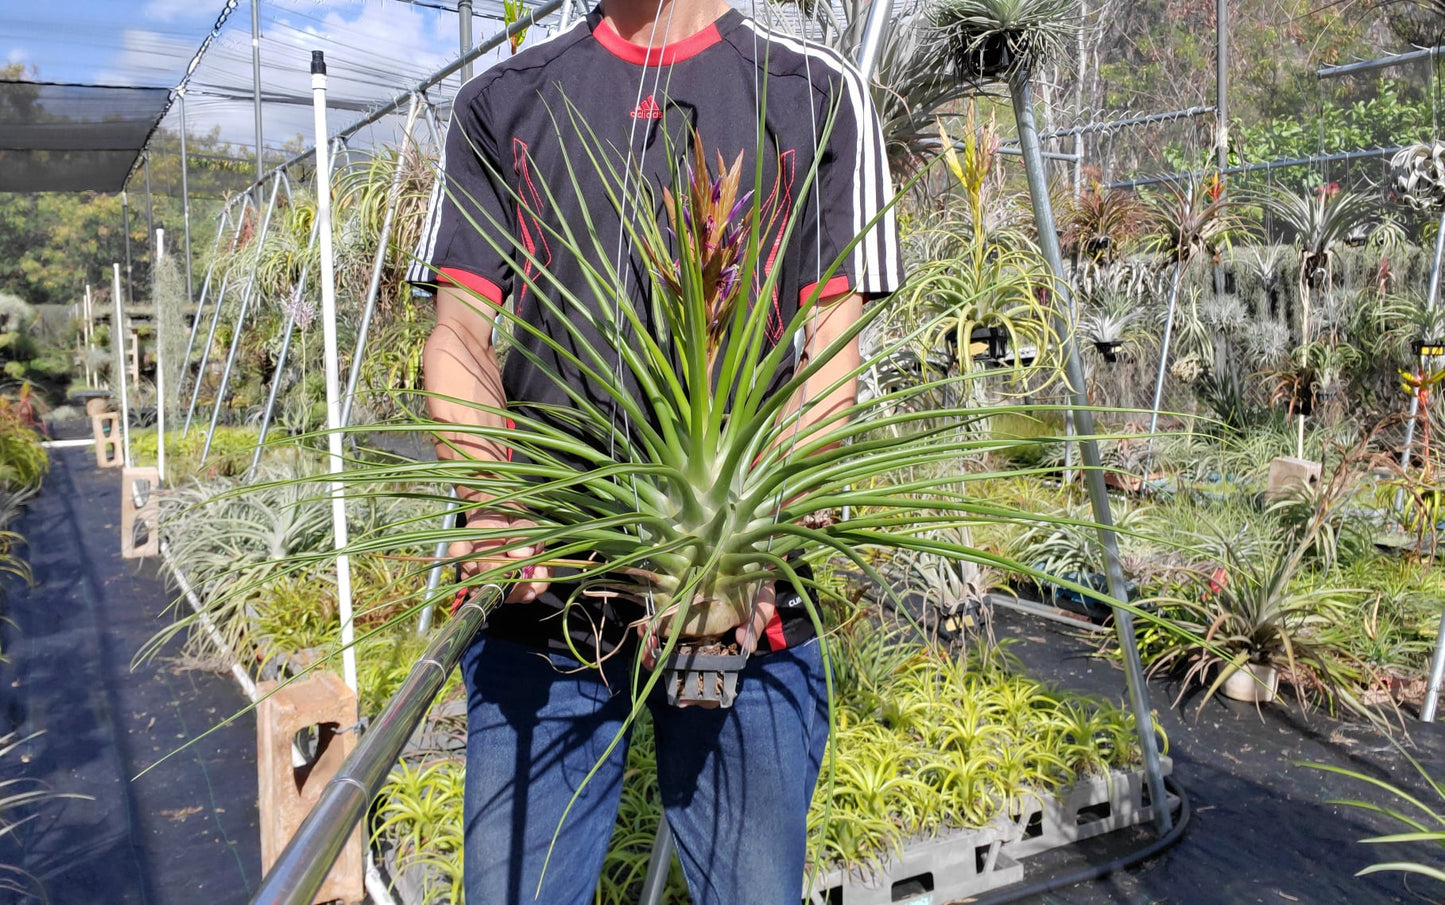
x,y
1262,830
187,830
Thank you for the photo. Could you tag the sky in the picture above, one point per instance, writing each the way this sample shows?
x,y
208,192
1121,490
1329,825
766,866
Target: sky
x,y
374,50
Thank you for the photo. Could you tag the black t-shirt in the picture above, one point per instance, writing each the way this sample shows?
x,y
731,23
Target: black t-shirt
x,y
523,152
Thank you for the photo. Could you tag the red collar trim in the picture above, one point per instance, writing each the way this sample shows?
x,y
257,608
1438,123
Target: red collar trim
x,y
665,55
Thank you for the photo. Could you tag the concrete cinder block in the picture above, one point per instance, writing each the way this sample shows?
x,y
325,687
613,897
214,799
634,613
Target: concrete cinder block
x,y
140,529
957,865
323,705
1289,475
106,429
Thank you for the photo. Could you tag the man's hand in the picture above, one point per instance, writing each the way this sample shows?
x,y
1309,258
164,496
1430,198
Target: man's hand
x,y
479,556
746,635
763,609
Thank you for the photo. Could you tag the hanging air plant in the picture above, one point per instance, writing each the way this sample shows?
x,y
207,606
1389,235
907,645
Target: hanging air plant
x,y
993,39
1419,175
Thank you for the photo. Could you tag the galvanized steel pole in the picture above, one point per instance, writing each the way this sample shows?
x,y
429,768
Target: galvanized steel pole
x,y
185,202
201,301
211,333
117,331
874,33
286,332
434,574
378,263
1088,446
256,85
1437,663
240,324
160,254
464,35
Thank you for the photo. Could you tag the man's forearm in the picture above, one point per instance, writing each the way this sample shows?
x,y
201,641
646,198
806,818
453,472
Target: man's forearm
x,y
460,367
828,394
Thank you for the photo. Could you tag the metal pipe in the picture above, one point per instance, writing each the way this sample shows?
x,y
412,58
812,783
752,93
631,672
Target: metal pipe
x,y
205,288
1437,663
1089,447
566,16
1430,298
1221,83
86,330
125,228
160,255
1069,156
1119,124
1164,353
434,574
240,324
1269,165
211,333
654,883
1437,670
286,332
186,206
383,243
256,86
150,217
335,464
1329,72
431,81
302,866
117,330
285,342
875,31
464,35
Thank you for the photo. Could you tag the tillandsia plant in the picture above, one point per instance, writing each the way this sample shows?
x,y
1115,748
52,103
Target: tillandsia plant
x,y
996,38
708,492
1321,220
997,280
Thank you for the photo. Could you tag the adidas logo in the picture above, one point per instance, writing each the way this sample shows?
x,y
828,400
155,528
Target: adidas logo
x,y
648,109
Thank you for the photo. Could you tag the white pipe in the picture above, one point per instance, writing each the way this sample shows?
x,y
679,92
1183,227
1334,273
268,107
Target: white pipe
x,y
160,364
87,332
117,330
333,381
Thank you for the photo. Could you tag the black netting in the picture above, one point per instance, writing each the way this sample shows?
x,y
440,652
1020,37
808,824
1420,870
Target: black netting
x,y
66,138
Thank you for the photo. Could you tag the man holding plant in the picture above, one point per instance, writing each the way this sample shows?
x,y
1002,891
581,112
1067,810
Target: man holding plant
x,y
578,187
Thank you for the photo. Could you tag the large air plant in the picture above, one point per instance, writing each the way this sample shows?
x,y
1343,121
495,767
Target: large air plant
x,y
706,485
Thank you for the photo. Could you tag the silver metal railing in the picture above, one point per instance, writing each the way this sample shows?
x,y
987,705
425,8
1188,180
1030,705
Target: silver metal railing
x,y
302,867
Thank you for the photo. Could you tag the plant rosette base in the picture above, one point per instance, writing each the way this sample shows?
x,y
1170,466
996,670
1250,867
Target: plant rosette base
x,y
1109,349
992,57
703,675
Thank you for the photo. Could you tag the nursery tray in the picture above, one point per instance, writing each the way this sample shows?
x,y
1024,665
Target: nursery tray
x,y
964,863
943,868
1093,806
702,679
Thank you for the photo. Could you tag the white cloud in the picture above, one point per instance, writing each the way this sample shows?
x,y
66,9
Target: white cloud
x,y
17,55
173,10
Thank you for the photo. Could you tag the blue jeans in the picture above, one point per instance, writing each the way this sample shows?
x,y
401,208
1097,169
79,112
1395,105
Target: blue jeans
x,y
735,783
